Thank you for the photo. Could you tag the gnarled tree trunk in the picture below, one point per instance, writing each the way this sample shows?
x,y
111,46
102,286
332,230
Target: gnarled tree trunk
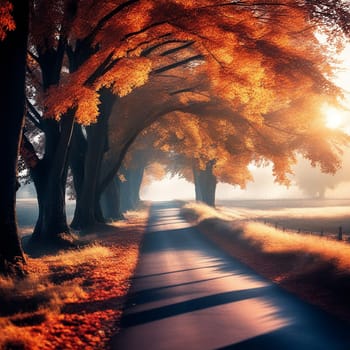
x,y
130,189
77,161
110,201
13,52
50,177
87,211
50,174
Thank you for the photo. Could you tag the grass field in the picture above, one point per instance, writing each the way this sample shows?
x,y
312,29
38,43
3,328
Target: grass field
x,y
315,268
310,216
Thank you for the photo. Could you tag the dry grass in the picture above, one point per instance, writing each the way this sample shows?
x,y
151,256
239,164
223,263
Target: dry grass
x,y
311,219
198,212
273,240
311,212
72,300
315,268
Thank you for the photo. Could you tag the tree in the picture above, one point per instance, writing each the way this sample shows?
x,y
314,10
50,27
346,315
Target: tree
x,y
89,59
256,54
143,163
128,119
51,24
219,146
13,48
260,36
50,41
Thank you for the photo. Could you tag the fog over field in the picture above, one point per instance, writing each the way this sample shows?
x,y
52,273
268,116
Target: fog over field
x,y
27,211
307,182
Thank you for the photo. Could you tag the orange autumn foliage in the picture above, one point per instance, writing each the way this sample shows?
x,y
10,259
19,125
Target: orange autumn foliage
x,y
6,21
184,140
68,300
261,62
256,54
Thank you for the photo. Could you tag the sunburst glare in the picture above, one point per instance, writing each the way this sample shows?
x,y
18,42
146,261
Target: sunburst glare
x,y
334,118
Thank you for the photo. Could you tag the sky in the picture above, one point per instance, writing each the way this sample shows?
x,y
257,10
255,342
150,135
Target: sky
x,y
308,182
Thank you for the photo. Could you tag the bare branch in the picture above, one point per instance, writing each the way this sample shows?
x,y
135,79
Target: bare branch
x,y
28,153
177,64
106,18
176,92
35,58
31,117
178,48
35,114
149,50
143,30
101,69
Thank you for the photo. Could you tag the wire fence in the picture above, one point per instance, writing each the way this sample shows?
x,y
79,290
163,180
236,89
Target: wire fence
x,y
335,227
338,233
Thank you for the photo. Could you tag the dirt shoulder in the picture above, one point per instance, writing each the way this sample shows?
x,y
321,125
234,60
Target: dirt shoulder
x,y
73,299
314,275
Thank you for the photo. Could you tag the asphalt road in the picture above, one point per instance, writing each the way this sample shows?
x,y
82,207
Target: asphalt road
x,y
188,294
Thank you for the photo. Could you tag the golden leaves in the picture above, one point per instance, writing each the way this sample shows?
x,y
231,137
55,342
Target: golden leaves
x,y
84,100
282,166
90,296
233,170
155,171
263,63
87,101
127,74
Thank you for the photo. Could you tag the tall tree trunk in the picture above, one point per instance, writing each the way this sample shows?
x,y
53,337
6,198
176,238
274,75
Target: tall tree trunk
x,y
38,172
205,184
130,189
97,137
55,218
13,51
110,201
197,185
137,177
50,174
76,162
50,181
118,156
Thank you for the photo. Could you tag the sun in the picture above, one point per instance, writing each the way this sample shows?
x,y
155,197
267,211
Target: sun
x,y
334,118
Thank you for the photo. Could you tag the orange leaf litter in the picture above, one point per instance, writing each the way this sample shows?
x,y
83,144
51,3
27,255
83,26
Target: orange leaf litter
x,y
88,317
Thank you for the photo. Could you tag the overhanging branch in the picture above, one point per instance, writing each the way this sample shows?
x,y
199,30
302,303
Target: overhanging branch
x,y
178,64
107,17
178,48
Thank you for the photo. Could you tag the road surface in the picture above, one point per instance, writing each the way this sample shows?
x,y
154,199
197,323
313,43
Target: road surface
x,y
188,294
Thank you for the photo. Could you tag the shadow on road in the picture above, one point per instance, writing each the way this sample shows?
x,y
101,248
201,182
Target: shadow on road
x,y
188,294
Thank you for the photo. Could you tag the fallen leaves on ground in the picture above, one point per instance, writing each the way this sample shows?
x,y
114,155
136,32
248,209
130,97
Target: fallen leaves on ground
x,y
73,300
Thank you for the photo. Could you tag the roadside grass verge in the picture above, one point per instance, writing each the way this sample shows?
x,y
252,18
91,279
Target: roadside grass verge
x,y
73,299
315,268
317,220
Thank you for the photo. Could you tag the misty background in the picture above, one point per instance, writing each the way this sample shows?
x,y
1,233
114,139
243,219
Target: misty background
x,y
307,182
